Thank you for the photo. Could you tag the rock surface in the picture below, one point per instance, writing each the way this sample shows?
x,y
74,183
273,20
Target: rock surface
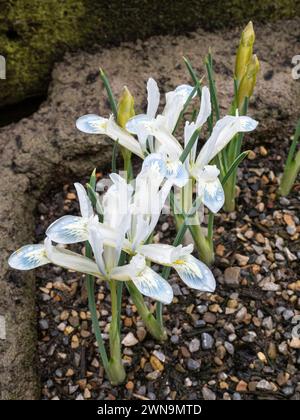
x,y
33,35
43,151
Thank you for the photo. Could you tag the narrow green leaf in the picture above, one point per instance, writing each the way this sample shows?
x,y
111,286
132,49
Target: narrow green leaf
x,y
193,75
110,94
189,146
114,156
234,166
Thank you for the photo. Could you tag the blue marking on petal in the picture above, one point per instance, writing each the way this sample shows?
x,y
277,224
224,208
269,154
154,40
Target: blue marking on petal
x,y
28,257
134,122
68,230
195,274
91,124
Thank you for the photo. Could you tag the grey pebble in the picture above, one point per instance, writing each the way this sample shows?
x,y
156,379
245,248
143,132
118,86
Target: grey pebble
x,y
207,341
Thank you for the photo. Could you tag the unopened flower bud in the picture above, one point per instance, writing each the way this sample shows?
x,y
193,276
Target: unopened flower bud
x,y
125,107
248,82
244,52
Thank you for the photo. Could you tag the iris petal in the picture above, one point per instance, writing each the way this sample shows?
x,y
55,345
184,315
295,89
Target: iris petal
x,y
195,274
68,230
212,194
91,124
28,257
151,284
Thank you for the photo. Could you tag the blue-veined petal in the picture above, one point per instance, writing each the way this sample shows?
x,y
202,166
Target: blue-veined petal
x,y
68,230
86,208
195,274
210,189
176,171
127,272
246,124
28,257
135,122
155,161
92,124
70,260
151,284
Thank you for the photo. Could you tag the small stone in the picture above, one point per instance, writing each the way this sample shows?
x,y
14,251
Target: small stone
x,y
220,249
156,364
71,196
232,276
209,318
272,351
165,227
294,343
242,386
288,314
262,357
64,315
242,260
295,286
250,337
268,323
229,347
188,382
61,327
208,394
194,345
74,342
130,340
152,376
282,378
44,325
291,230
193,364
201,309
87,394
141,333
207,341
129,385
264,385
263,151
159,355
174,339
290,256
240,316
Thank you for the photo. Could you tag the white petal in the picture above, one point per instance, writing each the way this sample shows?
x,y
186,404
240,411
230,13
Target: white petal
x,y
135,122
164,254
211,192
86,208
159,129
177,172
28,257
224,130
96,242
92,124
155,162
195,274
175,101
246,124
153,97
70,260
205,107
68,230
128,271
115,132
151,284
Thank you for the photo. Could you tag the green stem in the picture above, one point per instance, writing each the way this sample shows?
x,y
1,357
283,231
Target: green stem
x,y
152,325
116,369
92,307
203,245
289,175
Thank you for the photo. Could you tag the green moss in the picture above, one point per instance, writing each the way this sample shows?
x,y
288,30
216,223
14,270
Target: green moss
x,y
34,34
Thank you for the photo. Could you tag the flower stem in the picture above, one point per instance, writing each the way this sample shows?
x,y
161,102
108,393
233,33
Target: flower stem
x,y
116,369
153,326
203,244
90,282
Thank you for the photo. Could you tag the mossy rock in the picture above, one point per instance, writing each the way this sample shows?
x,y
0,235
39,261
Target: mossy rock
x,y
34,34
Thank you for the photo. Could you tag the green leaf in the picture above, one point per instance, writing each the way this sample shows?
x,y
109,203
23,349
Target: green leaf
x,y
234,166
114,156
93,180
189,146
110,94
193,75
